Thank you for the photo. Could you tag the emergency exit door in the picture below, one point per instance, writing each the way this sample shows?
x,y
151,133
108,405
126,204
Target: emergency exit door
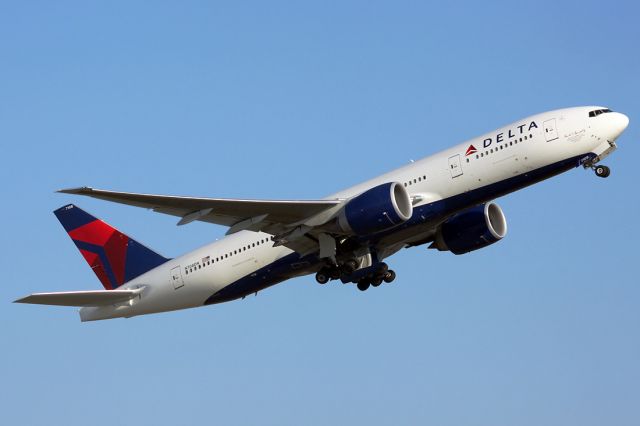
x,y
455,167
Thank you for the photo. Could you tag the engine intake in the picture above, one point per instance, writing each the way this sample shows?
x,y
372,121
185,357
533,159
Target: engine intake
x,y
472,229
376,210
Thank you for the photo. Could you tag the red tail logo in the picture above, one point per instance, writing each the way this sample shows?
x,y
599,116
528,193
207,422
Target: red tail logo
x,y
114,257
471,150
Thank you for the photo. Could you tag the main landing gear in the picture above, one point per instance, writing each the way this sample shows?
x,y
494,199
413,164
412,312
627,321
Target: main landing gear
x,y
364,278
602,171
322,277
364,283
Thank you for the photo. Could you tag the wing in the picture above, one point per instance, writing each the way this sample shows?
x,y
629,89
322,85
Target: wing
x,y
81,298
277,217
221,211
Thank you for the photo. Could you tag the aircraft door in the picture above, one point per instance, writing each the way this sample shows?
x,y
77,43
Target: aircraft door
x,y
455,167
550,130
176,278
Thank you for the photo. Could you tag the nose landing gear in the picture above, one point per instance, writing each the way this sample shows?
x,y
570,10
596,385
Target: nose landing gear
x,y
602,171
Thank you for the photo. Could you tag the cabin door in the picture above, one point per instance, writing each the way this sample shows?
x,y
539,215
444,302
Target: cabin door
x,y
550,130
176,278
454,166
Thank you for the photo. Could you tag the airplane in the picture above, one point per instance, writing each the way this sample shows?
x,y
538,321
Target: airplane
x,y
444,200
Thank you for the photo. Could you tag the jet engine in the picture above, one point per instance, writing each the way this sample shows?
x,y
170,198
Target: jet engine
x,y
376,210
471,229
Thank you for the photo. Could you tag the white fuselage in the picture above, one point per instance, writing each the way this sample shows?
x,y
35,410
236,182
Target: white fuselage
x,y
516,150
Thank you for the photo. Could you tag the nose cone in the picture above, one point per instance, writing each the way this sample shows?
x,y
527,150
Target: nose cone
x,y
616,124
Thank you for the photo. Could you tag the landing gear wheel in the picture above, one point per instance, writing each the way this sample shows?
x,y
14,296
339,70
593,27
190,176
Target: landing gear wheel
x,y
363,285
349,266
322,277
335,273
376,281
389,276
602,171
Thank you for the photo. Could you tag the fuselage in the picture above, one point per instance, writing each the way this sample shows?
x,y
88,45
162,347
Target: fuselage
x,y
473,172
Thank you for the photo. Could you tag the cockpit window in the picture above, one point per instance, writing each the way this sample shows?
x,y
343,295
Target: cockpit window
x,y
598,112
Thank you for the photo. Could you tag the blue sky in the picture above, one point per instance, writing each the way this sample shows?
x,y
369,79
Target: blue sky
x,y
293,100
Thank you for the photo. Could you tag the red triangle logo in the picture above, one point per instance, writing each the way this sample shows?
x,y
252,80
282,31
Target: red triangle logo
x,y
471,150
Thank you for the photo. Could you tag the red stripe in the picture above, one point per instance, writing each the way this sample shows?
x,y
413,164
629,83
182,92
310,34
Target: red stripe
x,y
116,250
96,232
98,268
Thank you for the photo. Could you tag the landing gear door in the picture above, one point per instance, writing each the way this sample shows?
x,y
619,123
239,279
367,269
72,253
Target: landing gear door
x,y
550,130
176,277
454,166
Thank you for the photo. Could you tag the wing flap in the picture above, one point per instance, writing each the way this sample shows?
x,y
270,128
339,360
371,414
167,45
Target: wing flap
x,y
81,298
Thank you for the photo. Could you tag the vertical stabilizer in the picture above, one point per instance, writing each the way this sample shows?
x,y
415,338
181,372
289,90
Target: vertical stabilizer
x,y
114,257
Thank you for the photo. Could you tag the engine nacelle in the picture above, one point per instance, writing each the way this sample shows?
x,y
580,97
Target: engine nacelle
x,y
376,210
472,229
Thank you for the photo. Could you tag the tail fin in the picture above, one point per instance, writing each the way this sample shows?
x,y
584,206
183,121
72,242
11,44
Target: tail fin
x,y
114,257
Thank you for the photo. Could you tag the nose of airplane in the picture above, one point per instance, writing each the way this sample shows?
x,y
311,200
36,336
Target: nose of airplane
x,y
617,124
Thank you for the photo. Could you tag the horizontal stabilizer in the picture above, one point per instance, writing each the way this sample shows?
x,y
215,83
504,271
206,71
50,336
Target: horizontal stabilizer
x,y
81,298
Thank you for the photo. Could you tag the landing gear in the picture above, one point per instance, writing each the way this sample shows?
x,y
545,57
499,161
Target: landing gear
x,y
371,276
349,266
389,276
602,171
363,284
379,274
322,277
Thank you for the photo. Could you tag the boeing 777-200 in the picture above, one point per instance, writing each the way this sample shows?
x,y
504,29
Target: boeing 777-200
x,y
444,200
